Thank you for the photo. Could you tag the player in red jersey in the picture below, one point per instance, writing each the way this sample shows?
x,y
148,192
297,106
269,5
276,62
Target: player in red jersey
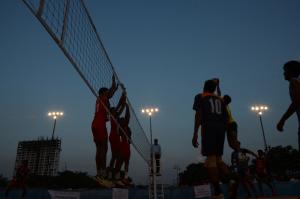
x,y
19,180
125,133
99,126
114,136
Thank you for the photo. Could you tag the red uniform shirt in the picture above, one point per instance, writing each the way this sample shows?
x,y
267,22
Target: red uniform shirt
x,y
125,148
99,121
114,137
125,145
261,165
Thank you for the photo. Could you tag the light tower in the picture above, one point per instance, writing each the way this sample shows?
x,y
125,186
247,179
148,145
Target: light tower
x,y
55,116
150,112
259,110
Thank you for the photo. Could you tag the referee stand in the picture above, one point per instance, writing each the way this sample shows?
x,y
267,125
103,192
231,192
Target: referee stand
x,y
156,189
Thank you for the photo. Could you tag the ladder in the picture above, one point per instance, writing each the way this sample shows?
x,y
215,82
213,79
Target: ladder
x,y
156,187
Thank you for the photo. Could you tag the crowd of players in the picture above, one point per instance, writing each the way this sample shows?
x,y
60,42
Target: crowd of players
x,y
213,115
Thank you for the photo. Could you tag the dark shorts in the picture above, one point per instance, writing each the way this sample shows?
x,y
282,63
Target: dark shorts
x,y
212,139
115,147
99,133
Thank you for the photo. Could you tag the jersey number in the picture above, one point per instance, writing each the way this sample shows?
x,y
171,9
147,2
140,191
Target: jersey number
x,y
215,106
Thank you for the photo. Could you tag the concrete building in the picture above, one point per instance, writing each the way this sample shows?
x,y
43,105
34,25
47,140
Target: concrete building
x,y
42,155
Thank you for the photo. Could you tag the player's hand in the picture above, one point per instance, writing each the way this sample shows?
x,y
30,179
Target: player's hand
x,y
113,78
122,86
217,80
280,126
195,141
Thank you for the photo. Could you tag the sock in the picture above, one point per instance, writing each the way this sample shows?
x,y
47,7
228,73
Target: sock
x,y
103,173
214,179
109,175
117,175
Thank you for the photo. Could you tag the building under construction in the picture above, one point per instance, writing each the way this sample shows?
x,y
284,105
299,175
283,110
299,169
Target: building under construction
x,y
42,156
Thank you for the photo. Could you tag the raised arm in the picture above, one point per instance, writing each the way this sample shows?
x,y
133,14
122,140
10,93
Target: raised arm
x,y
121,104
218,86
127,114
113,88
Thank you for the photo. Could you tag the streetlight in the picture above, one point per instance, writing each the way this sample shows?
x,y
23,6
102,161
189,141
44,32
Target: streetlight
x,y
150,112
55,115
259,110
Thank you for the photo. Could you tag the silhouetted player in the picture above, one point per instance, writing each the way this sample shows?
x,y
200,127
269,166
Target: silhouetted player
x,y
262,175
124,157
211,115
291,74
240,167
231,125
19,180
99,127
156,150
114,136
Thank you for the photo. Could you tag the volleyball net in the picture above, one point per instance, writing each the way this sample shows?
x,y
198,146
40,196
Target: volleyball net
x,y
71,27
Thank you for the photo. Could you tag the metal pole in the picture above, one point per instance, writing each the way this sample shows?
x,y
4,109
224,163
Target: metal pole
x,y
150,131
263,132
53,129
152,161
177,176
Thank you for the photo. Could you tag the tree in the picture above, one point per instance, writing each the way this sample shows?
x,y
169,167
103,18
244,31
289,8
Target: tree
x,y
193,175
283,162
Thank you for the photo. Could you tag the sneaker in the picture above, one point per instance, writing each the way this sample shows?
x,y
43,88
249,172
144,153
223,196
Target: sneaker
x,y
126,181
119,182
104,182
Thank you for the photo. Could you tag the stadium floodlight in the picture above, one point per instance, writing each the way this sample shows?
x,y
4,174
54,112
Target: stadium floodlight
x,y
150,112
259,110
55,116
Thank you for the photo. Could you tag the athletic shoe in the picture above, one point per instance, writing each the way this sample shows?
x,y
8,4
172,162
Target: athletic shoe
x,y
104,182
119,182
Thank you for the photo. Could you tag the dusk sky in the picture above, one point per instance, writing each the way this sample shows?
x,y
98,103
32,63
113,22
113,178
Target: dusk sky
x,y
163,51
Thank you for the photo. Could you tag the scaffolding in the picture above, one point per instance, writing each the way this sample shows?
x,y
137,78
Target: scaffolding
x,y
42,156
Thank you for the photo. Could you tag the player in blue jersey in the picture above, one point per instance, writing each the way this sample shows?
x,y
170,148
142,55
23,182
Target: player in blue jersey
x,y
211,115
291,74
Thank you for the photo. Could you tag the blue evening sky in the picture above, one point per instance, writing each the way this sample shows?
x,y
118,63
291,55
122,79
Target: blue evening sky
x,y
163,51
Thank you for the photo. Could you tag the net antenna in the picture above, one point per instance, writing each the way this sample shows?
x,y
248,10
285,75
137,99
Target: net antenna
x,y
70,25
